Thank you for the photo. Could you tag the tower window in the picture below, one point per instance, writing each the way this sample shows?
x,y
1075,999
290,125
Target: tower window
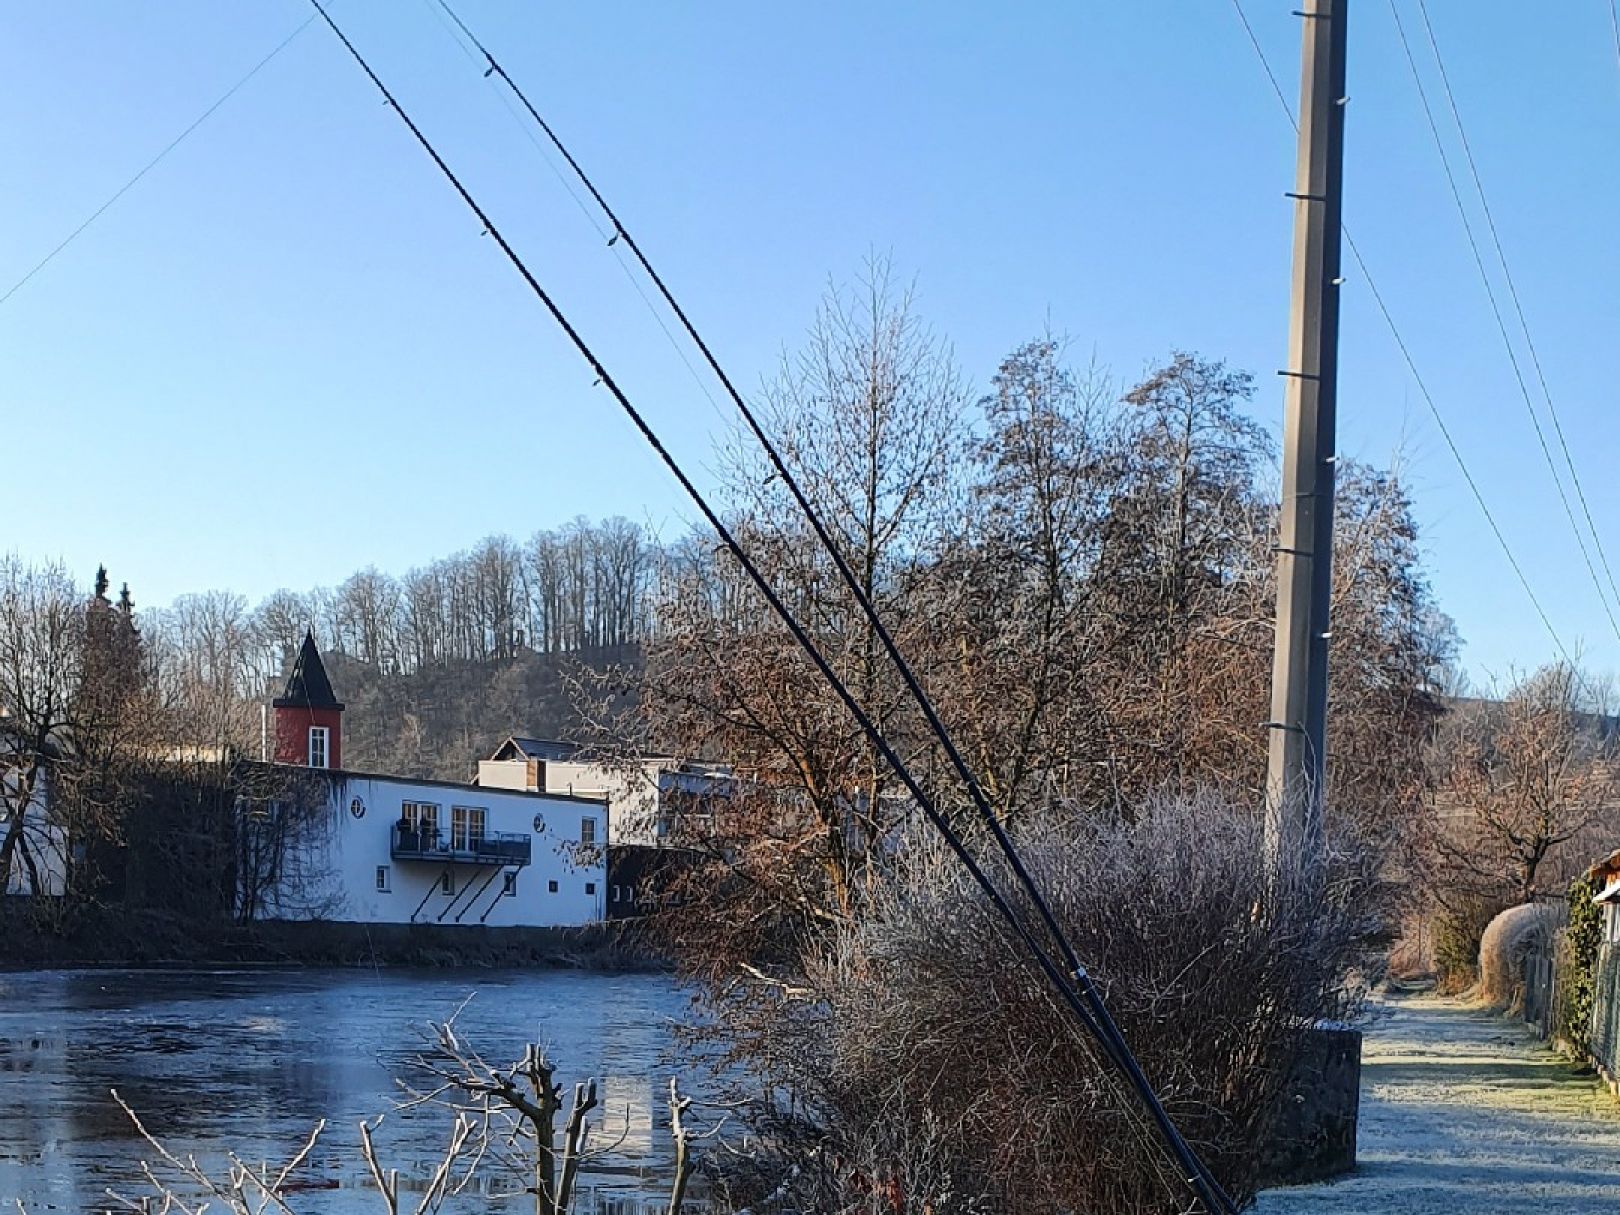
x,y
509,885
590,887
551,886
382,878
587,830
320,738
447,883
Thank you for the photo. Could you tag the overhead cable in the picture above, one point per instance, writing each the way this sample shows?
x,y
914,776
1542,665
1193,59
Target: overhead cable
x,y
1496,308
1411,366
846,574
1196,1175
153,163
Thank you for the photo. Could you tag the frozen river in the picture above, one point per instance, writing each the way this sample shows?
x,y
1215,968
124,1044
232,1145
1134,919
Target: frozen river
x,y
250,1060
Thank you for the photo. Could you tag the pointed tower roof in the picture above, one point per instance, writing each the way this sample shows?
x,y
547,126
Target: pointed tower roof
x,y
308,686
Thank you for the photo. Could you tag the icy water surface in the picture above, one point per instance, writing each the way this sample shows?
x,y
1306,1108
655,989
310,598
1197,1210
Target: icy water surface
x,y
249,1060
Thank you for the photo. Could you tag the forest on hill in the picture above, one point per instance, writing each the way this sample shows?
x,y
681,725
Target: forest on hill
x,y
438,721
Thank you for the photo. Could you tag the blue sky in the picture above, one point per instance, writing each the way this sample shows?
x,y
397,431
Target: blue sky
x,y
288,352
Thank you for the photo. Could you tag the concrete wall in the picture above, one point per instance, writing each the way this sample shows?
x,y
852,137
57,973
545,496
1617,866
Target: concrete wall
x,y
351,861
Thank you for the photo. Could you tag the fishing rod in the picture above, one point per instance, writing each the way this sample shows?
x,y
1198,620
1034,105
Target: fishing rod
x,y
846,574
1202,1184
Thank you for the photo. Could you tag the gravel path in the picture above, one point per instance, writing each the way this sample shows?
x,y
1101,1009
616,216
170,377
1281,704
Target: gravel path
x,y
1462,1112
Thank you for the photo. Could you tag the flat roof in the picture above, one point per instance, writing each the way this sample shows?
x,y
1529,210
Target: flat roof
x,y
356,774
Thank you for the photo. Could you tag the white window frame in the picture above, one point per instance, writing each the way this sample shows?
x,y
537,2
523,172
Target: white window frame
x,y
462,821
324,733
420,814
382,879
587,830
509,886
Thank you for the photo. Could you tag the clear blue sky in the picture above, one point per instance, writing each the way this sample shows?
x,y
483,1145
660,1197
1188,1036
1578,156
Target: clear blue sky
x,y
288,353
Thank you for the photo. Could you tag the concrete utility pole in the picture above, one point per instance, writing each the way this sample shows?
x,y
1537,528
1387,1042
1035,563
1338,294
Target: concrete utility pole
x,y
1299,676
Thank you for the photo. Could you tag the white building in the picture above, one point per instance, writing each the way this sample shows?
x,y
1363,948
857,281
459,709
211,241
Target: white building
x,y
39,864
400,850
644,798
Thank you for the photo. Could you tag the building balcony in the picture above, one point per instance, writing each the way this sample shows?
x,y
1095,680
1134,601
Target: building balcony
x,y
435,845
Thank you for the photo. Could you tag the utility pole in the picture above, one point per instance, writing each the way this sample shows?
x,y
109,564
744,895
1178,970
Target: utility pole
x,y
1299,675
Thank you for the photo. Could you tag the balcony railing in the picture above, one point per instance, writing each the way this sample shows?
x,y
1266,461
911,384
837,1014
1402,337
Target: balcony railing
x,y
434,844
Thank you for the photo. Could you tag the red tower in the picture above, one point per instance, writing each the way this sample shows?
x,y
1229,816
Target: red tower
x,y
309,718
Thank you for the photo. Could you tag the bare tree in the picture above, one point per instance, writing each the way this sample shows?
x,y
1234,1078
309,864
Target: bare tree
x,y
69,722
1519,780
503,1127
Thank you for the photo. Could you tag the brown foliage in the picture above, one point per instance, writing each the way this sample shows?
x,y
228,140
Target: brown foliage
x,y
1094,625
923,1055
1524,789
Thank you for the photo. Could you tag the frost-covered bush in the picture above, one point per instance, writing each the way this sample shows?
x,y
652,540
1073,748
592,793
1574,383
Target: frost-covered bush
x,y
926,1065
1506,941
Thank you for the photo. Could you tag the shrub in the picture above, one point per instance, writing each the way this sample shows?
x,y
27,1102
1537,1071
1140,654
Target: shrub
x,y
1579,966
1505,943
1457,929
927,1061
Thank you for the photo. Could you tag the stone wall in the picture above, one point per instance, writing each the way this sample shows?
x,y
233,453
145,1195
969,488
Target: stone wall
x,y
1315,1133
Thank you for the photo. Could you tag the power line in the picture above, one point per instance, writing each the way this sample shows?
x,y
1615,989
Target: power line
x,y
1614,26
1518,306
1411,363
154,162
847,575
457,32
1200,1181
1490,293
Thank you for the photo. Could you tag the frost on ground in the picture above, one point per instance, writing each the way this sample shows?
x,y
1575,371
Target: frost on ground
x,y
1462,1111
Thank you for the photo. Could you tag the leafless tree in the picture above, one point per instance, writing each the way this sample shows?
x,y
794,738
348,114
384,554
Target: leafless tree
x,y
1519,780
70,721
503,1125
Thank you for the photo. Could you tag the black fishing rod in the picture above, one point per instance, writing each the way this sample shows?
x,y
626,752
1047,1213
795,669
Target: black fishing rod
x,y
936,725
1202,1184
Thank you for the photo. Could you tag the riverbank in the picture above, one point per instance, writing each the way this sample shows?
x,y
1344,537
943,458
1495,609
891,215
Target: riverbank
x,y
112,937
1462,1110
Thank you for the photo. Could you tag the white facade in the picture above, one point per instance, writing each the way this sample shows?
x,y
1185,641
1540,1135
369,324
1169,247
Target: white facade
x,y
43,839
403,851
641,797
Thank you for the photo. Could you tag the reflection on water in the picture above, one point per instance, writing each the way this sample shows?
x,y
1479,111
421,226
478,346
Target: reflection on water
x,y
250,1060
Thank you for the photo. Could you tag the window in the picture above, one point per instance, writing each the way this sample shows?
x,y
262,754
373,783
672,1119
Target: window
x,y
418,827
615,892
382,878
587,830
590,887
509,885
418,816
551,886
319,750
467,827
447,883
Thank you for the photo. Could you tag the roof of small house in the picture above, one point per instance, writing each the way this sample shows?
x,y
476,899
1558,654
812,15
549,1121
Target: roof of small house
x,y
518,747
308,687
1607,874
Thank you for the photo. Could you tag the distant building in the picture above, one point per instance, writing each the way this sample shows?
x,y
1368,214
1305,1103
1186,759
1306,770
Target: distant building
x,y
646,797
1606,876
652,804
401,850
